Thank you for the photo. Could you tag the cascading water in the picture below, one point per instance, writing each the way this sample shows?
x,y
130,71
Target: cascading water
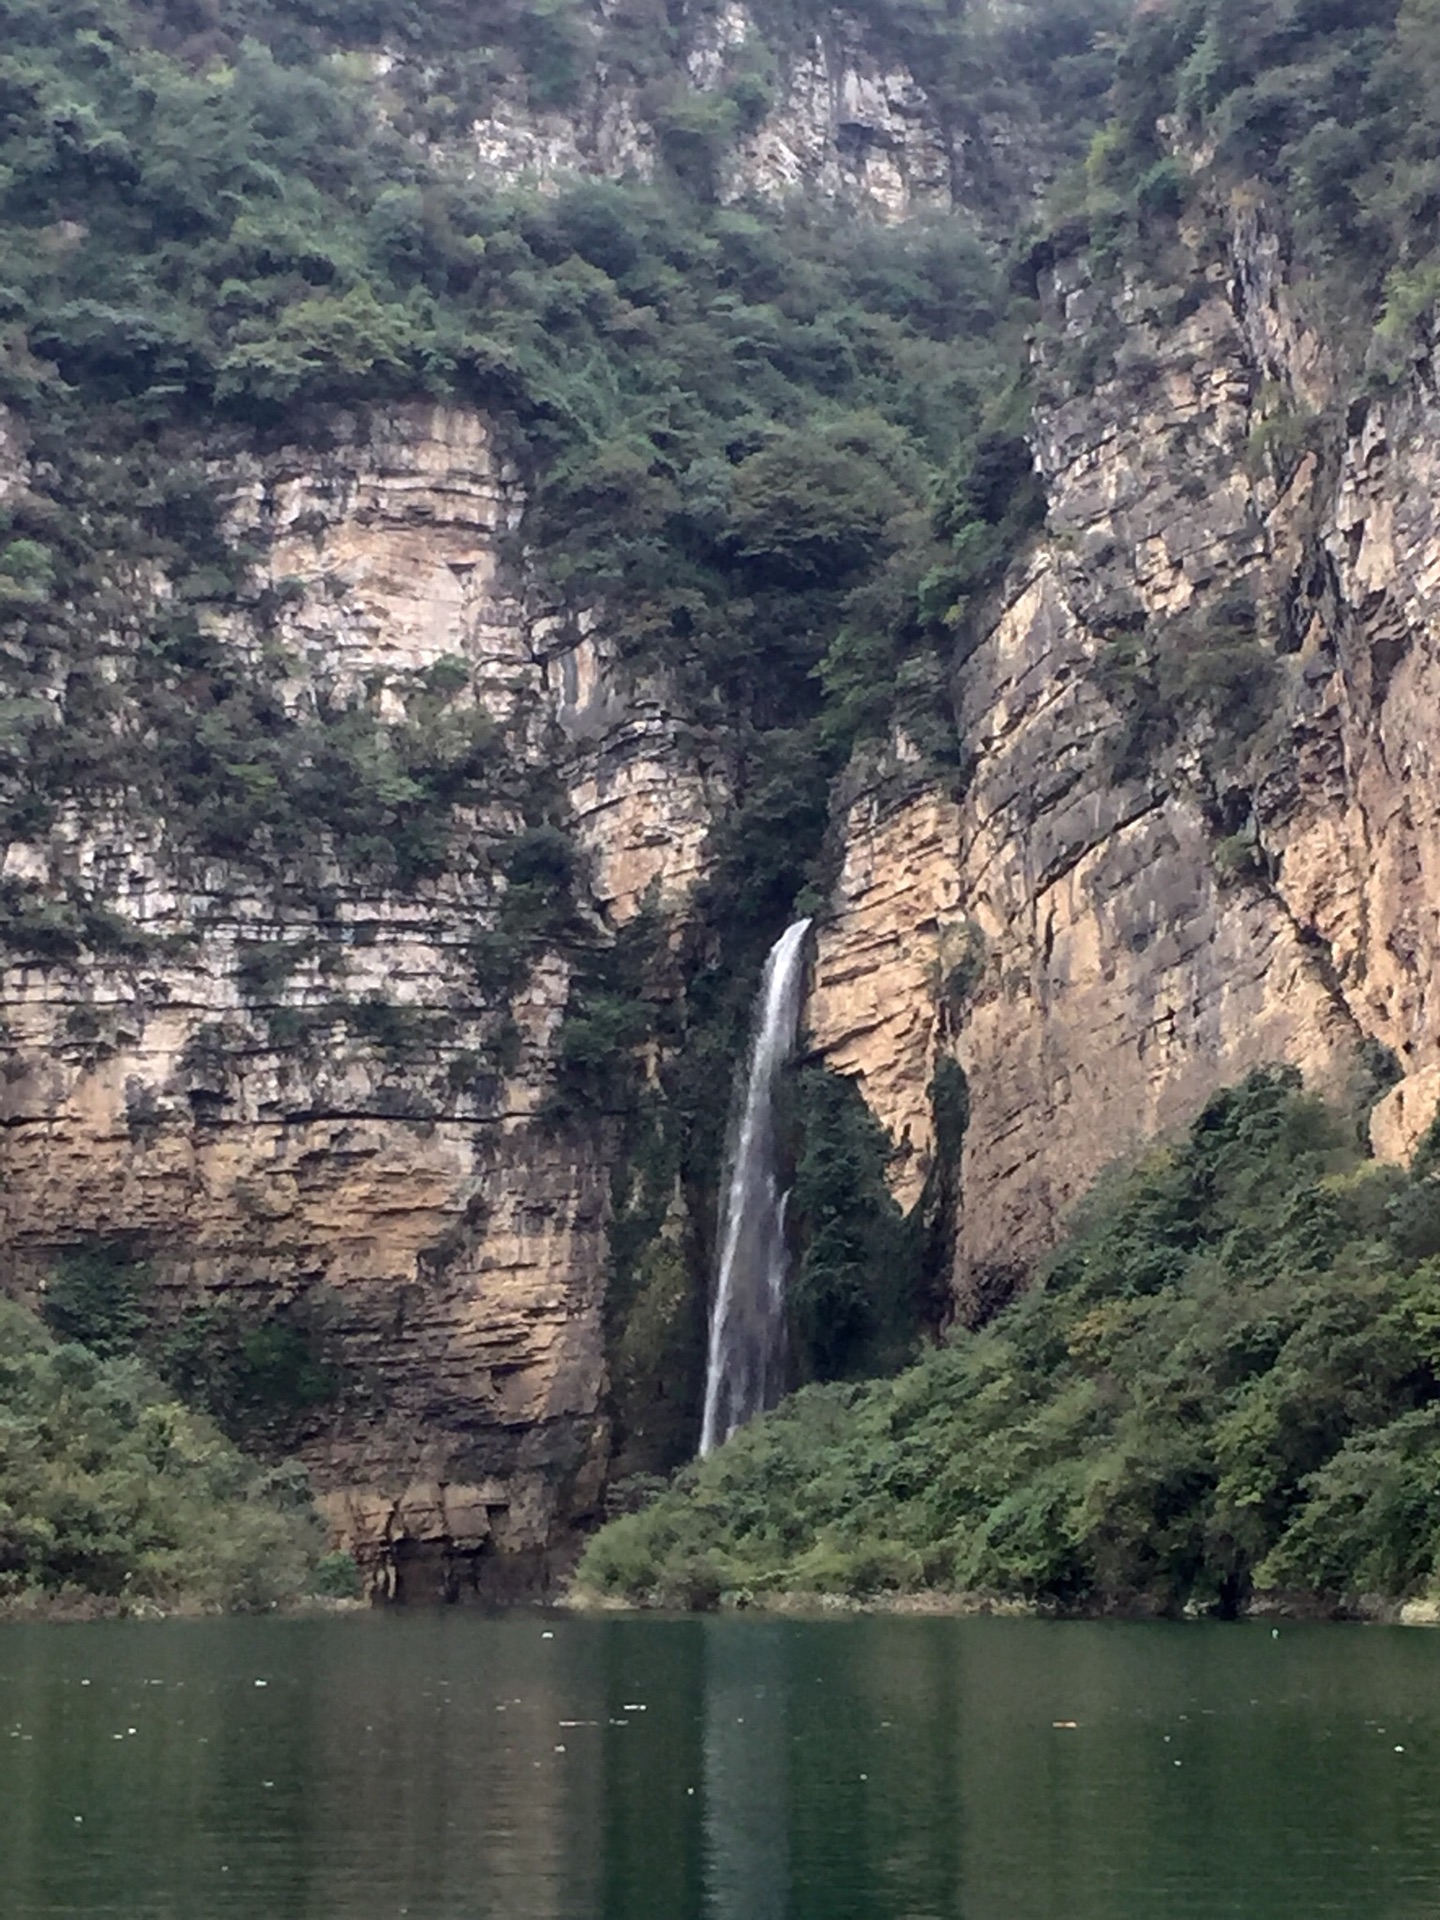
x,y
747,1322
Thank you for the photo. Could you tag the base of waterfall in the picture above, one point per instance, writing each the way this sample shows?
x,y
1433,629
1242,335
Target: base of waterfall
x,y
1220,1398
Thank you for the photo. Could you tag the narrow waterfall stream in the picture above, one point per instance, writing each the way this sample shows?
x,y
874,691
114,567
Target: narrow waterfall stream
x,y
745,1370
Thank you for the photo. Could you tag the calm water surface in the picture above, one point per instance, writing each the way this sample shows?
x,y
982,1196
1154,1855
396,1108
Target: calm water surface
x,y
452,1766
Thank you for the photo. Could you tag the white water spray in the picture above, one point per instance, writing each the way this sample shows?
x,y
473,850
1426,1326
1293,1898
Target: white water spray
x,y
745,1373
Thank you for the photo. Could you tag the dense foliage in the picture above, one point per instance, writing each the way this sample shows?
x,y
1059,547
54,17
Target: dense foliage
x,y
111,1489
1335,106
734,419
1226,1386
259,1374
856,1300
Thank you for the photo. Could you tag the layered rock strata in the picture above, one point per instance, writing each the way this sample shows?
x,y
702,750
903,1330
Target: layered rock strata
x,y
364,1127
1149,934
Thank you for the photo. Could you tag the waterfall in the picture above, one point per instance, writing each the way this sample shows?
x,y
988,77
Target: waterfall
x,y
747,1324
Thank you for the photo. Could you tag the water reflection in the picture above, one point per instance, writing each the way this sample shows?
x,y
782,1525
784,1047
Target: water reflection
x,y
747,1764
460,1768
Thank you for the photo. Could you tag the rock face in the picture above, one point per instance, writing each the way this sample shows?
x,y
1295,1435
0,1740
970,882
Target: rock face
x,y
851,128
840,121
1145,934
875,1006
317,1099
357,1128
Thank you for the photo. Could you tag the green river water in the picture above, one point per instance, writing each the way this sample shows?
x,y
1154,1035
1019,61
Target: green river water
x,y
448,1766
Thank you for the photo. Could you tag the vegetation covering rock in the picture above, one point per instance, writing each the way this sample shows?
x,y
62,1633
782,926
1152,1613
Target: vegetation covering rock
x,y
1226,1387
784,457
733,419
115,1497
771,446
1333,105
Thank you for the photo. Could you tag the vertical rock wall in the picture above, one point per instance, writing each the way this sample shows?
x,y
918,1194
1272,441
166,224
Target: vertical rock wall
x,y
1129,962
288,1143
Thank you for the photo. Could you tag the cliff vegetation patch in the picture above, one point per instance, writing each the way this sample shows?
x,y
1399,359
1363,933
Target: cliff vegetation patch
x,y
259,1374
114,1494
1334,108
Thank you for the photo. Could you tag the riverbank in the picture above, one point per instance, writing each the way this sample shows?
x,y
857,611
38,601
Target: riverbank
x,y
935,1603
73,1606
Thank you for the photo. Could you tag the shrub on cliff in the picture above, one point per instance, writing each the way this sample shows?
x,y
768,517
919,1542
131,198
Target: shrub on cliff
x,y
730,421
1335,107
1226,1383
110,1488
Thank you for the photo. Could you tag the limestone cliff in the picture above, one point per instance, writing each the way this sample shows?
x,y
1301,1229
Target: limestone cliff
x,y
1144,935
843,119
354,1124
295,1086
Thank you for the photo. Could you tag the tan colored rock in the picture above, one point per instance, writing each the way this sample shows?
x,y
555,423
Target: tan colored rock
x,y
849,126
1362,859
270,1151
874,1006
1121,979
1126,972
1403,1118
643,804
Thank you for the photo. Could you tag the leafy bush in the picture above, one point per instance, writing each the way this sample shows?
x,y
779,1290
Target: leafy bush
x,y
110,1487
1226,1382
1201,670
337,1577
98,1297
259,1373
258,1376
852,1302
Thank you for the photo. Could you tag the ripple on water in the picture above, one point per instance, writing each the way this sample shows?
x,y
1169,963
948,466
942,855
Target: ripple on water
x,y
459,1767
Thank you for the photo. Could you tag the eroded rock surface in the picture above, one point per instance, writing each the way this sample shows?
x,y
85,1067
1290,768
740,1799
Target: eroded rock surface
x,y
1151,932
363,1125
843,122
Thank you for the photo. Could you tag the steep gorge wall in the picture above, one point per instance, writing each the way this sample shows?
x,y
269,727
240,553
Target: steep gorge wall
x,y
1099,944
359,1128
1132,963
